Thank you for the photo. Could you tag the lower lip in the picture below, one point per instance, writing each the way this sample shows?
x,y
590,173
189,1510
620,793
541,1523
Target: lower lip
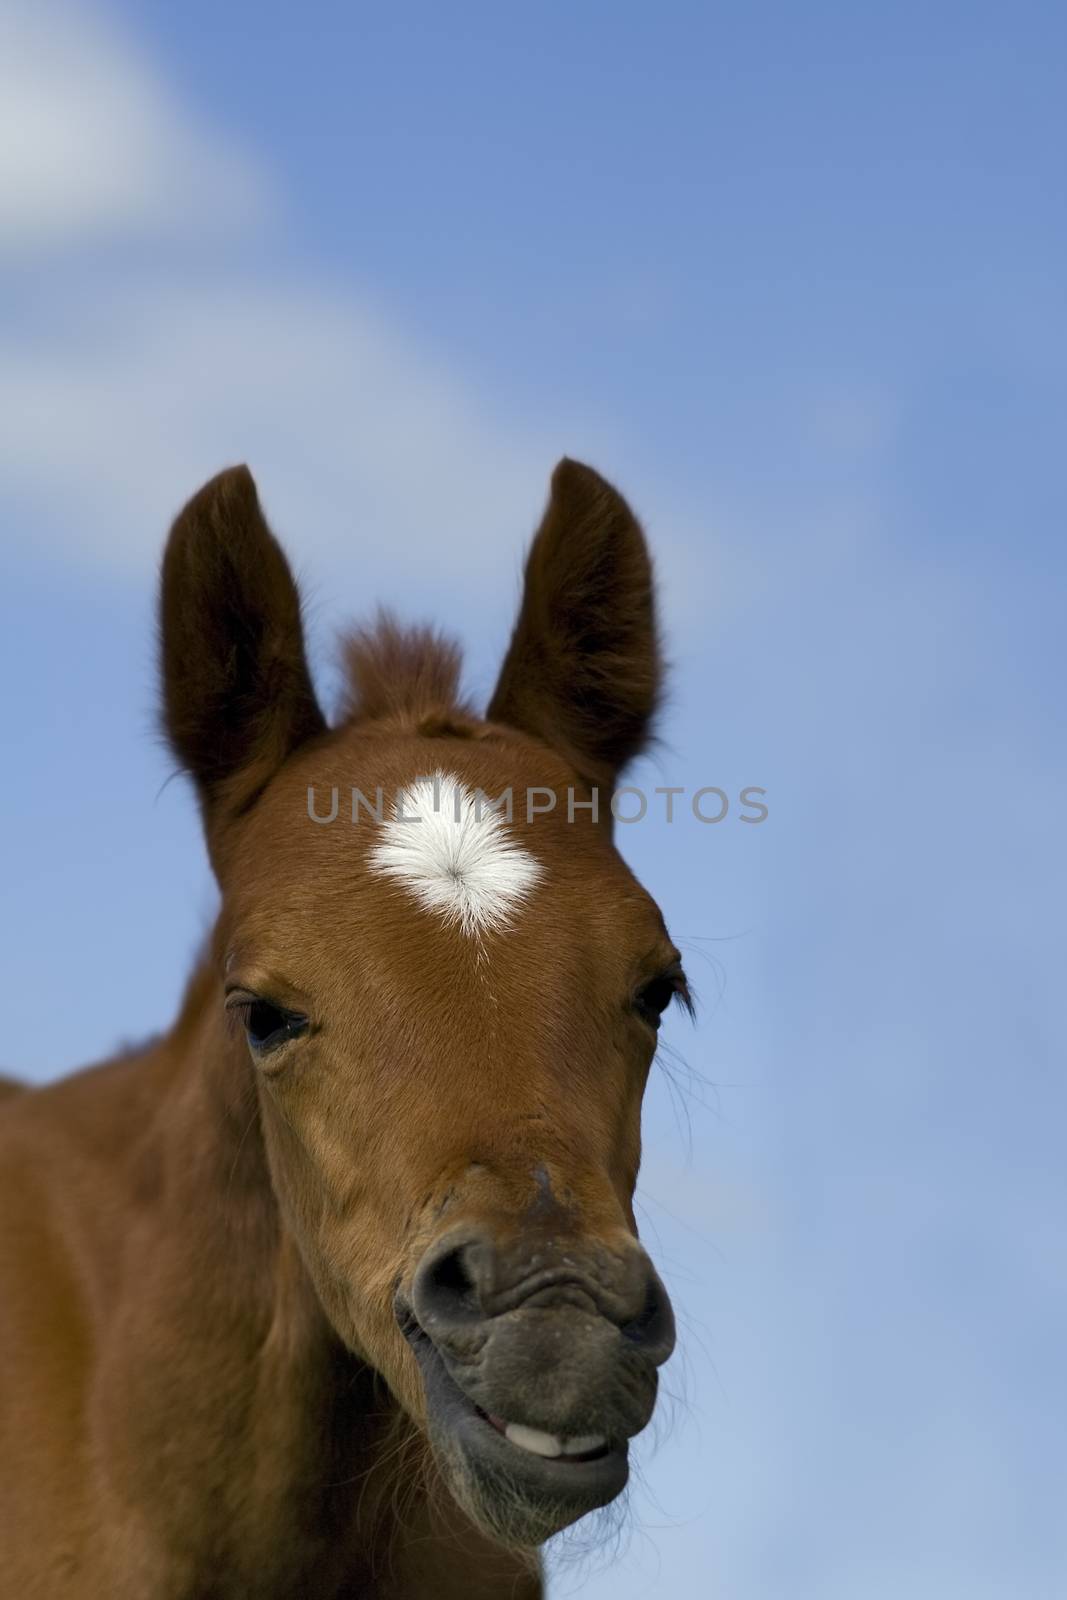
x,y
594,1479
601,1475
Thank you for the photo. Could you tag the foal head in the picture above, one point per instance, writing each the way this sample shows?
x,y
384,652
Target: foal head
x,y
450,1015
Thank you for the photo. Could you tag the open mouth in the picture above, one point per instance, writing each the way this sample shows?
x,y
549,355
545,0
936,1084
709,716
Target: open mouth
x,y
581,1471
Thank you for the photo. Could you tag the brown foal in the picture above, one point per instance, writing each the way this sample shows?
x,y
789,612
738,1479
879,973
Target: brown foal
x,y
335,1289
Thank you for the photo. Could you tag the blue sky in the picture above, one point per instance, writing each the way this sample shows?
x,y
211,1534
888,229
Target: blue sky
x,y
794,277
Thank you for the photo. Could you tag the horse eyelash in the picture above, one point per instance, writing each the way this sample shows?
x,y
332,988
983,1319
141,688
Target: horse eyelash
x,y
237,1015
685,996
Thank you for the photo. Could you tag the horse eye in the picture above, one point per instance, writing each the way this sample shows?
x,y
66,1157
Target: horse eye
x,y
653,998
267,1025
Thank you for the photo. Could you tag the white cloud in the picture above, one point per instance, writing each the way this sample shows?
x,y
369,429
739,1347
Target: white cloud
x,y
108,425
117,401
92,143
124,392
370,451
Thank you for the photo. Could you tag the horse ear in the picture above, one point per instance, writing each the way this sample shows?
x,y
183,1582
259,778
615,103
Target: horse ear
x,y
583,670
237,693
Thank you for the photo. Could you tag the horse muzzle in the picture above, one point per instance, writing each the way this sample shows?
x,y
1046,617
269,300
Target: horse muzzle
x,y
539,1365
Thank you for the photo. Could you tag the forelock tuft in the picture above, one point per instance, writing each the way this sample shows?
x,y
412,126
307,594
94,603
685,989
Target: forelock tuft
x,y
403,675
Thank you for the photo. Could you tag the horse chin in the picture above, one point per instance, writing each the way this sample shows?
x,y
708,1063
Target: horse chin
x,y
517,1497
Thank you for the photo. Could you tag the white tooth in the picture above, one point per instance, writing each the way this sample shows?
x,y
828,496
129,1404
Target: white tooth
x,y
541,1444
583,1443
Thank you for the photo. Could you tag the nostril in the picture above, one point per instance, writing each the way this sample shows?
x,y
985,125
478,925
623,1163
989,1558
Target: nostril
x,y
446,1288
653,1327
449,1277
